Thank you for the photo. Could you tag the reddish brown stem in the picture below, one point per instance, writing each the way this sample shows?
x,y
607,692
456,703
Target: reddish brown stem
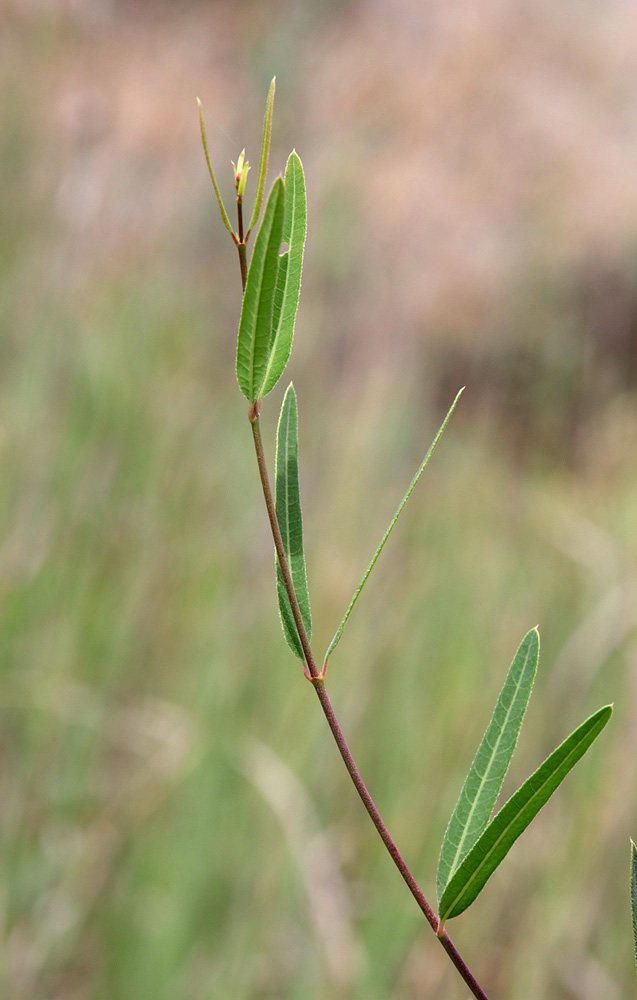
x,y
241,245
317,677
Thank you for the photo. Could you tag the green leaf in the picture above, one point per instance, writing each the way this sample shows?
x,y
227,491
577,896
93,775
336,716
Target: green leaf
x,y
491,763
265,152
514,817
289,275
287,502
204,140
255,326
281,279
633,892
339,631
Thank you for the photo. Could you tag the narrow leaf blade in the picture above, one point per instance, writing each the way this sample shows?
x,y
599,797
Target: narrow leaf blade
x,y
265,153
204,141
357,593
255,325
289,276
633,892
491,763
514,817
281,279
287,502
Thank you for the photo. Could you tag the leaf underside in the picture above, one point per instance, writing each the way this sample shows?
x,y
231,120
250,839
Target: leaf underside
x,y
505,828
255,325
288,285
273,286
484,781
288,511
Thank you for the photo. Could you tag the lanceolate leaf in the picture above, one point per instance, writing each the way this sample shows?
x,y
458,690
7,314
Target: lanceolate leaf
x,y
289,277
633,892
265,152
255,326
484,781
281,280
514,817
287,502
204,140
339,631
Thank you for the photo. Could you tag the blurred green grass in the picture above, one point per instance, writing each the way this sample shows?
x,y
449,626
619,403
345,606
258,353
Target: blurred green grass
x,y
141,655
171,800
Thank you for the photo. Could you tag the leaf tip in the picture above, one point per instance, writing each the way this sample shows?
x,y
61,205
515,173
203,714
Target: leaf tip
x,y
289,392
455,402
604,714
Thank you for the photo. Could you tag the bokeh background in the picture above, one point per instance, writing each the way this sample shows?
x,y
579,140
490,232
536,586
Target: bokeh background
x,y
175,821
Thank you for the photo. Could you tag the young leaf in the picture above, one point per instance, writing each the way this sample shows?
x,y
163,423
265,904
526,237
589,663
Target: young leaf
x,y
339,631
289,276
633,892
491,763
265,152
287,502
204,140
514,817
255,326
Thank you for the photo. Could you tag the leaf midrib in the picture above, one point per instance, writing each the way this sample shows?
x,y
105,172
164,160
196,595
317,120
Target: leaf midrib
x,y
276,332
456,863
482,863
258,300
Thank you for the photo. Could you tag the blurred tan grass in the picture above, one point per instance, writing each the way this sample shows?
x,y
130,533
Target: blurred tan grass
x,y
472,218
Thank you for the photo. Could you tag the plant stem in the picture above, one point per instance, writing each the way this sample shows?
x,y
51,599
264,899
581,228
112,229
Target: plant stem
x,y
241,245
317,678
278,545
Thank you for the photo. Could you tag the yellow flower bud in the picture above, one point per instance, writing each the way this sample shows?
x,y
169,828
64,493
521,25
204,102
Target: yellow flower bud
x,y
240,170
242,183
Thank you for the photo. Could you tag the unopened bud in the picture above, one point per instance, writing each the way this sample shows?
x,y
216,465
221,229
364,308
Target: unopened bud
x,y
240,169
